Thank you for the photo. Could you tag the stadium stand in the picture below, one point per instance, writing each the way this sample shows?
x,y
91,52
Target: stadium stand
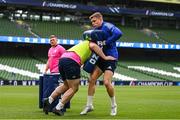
x,y
170,35
131,34
18,68
13,28
64,31
21,65
150,70
26,68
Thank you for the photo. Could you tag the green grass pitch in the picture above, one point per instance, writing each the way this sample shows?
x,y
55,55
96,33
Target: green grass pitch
x,y
21,102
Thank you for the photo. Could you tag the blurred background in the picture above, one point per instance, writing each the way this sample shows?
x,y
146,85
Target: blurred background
x,y
149,49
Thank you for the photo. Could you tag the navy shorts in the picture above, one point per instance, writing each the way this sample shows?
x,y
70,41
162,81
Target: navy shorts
x,y
69,69
106,64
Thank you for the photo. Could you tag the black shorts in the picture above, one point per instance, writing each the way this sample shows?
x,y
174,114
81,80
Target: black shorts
x,y
106,64
69,69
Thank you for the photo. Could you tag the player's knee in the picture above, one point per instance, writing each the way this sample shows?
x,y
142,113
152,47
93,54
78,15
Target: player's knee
x,y
92,81
75,89
107,83
57,90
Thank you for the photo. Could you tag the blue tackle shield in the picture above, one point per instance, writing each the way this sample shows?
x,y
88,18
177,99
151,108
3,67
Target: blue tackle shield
x,y
47,84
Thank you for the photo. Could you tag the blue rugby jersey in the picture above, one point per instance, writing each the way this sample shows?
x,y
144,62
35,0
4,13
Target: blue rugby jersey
x,y
112,34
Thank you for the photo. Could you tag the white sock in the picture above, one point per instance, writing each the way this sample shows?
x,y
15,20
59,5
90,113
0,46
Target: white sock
x,y
60,100
89,100
59,106
113,101
51,99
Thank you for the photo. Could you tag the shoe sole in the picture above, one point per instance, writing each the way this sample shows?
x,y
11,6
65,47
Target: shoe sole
x,y
114,113
56,113
86,112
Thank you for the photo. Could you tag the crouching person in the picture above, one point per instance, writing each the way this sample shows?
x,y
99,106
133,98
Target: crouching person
x,y
69,68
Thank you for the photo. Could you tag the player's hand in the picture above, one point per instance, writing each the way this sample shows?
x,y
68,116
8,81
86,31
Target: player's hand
x,y
110,58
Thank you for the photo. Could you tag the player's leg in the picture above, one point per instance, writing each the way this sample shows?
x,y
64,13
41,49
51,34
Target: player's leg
x,y
58,91
92,80
107,82
108,74
72,75
73,88
91,90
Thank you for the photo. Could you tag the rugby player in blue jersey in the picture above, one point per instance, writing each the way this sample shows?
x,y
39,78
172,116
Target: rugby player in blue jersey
x,y
104,66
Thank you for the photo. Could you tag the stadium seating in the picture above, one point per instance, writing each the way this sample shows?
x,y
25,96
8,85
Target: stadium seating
x,y
150,70
64,30
25,68
131,34
153,35
11,28
72,30
26,63
170,35
18,68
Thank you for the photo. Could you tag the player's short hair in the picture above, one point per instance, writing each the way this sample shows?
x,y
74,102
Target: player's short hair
x,y
97,15
53,36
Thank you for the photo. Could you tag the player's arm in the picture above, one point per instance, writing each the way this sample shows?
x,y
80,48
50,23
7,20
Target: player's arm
x,y
93,46
116,33
47,67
